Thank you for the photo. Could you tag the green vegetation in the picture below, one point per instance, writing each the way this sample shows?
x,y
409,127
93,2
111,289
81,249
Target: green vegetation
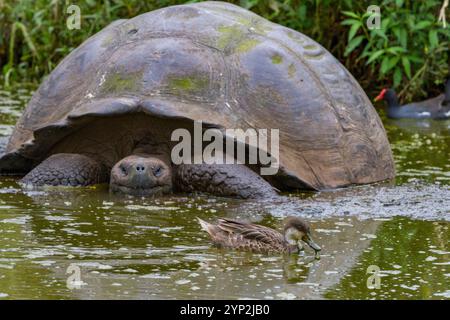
x,y
410,52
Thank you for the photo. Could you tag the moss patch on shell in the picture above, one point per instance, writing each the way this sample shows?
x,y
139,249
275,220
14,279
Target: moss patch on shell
x,y
188,84
277,59
291,70
235,38
120,82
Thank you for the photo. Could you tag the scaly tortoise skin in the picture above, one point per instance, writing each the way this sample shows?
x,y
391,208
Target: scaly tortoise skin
x,y
213,62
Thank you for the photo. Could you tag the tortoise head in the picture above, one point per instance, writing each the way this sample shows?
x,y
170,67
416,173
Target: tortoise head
x,y
296,230
141,174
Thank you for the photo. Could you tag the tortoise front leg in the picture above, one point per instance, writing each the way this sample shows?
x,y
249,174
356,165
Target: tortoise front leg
x,y
235,180
66,169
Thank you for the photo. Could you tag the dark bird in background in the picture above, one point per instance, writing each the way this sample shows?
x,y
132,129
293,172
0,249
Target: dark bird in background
x,y
434,108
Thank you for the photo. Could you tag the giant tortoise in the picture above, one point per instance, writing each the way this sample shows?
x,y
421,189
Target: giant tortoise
x,y
107,111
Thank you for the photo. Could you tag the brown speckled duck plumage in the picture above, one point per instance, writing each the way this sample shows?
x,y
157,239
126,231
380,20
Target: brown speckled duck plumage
x,y
242,236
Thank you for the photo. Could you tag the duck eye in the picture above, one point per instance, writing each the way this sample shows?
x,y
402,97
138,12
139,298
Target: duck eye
x,y
157,171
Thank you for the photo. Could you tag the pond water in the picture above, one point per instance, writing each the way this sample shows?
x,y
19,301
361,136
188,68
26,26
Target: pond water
x,y
133,248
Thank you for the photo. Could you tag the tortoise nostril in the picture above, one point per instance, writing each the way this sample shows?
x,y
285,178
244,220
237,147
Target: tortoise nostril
x,y
140,168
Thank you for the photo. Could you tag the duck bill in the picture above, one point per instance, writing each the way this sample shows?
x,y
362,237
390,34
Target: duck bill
x,y
311,243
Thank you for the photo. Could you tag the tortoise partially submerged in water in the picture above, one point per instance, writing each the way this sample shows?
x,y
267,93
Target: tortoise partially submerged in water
x,y
111,105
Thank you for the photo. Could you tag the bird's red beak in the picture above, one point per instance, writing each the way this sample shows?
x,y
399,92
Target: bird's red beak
x,y
380,96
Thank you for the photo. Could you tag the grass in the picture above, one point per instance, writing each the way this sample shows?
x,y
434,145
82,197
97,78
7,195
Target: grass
x,y
34,37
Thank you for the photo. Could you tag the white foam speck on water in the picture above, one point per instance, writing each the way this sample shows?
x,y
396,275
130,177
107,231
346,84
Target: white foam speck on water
x,y
345,224
430,258
76,232
195,288
330,272
286,296
150,208
58,218
439,251
44,263
327,230
168,229
19,220
269,259
6,266
147,227
274,270
445,294
309,284
41,253
272,275
412,288
3,295
5,207
384,273
129,270
95,265
154,276
369,236
182,281
446,263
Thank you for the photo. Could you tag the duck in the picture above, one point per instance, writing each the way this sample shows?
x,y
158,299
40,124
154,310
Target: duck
x,y
232,234
434,108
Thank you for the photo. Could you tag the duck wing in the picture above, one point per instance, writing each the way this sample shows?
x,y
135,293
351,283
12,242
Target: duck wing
x,y
251,232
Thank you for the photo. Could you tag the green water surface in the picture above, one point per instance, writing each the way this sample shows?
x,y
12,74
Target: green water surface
x,y
133,248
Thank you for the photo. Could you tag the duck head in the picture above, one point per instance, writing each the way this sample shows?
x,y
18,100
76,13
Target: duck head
x,y
297,230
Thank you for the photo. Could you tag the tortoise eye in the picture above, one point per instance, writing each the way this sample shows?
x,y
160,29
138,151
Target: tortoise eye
x,y
157,171
123,169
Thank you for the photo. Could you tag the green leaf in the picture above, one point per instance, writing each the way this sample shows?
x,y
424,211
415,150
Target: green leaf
x,y
403,38
433,37
379,32
399,3
406,66
422,25
385,23
373,56
397,76
416,59
353,44
350,22
384,65
350,14
353,30
395,50
392,63
388,63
